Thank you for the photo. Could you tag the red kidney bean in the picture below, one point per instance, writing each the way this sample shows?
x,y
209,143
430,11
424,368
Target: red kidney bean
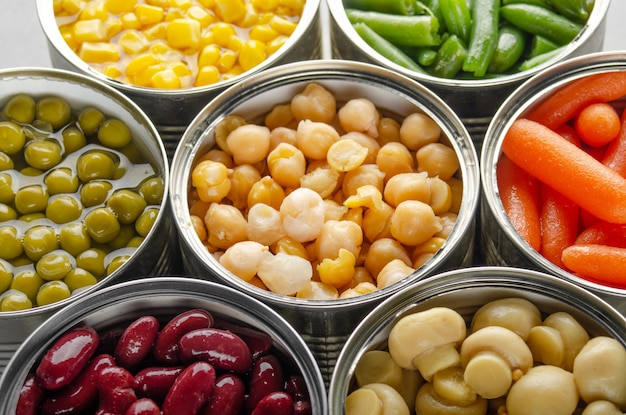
x,y
191,390
228,396
155,382
144,406
259,342
109,338
221,348
136,341
274,403
166,343
302,408
31,395
266,376
295,385
115,385
82,393
67,357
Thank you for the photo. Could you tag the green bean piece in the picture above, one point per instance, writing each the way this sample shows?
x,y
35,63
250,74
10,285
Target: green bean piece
x,y
450,57
541,21
458,19
511,46
483,36
434,8
575,10
425,56
539,59
540,45
401,7
386,48
542,3
400,30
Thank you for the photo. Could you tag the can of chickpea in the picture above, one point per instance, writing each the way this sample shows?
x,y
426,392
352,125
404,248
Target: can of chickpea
x,y
300,216
269,340
200,48
64,235
493,300
475,97
566,217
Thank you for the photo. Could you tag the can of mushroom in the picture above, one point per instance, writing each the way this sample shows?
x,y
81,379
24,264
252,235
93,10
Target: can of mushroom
x,y
532,300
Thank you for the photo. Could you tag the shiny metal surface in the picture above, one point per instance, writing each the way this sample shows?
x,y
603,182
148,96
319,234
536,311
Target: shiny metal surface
x,y
465,290
163,297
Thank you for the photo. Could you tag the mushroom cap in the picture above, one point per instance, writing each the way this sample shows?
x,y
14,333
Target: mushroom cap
x,y
501,341
516,314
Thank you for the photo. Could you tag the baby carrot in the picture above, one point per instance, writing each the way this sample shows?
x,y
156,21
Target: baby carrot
x,y
519,193
597,124
600,263
569,170
615,156
559,224
571,99
603,233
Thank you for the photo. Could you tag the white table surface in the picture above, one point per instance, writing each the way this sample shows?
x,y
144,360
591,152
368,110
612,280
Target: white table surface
x,y
22,42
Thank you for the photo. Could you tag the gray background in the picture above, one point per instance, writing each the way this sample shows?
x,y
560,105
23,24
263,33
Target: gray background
x,y
22,42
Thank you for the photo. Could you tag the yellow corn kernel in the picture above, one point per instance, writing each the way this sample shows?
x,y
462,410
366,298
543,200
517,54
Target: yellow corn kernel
x,y
184,34
159,3
71,6
94,10
165,53
227,60
67,33
207,38
133,42
276,44
265,18
91,30
230,10
181,4
207,75
120,6
234,71
180,69
57,6
148,14
112,71
112,26
222,33
157,31
235,43
252,53
209,55
130,21
250,18
173,14
265,5
138,64
295,5
166,79
263,33
282,25
201,15
209,4
144,78
99,52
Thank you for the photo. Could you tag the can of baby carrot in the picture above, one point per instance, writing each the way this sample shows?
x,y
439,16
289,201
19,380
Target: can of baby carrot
x,y
434,44
552,194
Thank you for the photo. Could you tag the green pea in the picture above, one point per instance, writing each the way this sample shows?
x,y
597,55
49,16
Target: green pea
x,y
152,190
94,193
73,238
30,217
127,205
28,282
43,154
12,137
146,221
52,292
54,265
89,120
127,232
135,242
117,263
73,139
7,195
20,261
95,165
53,110
39,240
102,225
20,108
31,171
61,180
6,162
6,276
31,199
63,209
10,243
7,213
79,278
92,260
134,153
114,133
15,301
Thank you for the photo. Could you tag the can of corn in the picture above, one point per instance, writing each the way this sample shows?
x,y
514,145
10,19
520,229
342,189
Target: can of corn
x,y
324,323
500,243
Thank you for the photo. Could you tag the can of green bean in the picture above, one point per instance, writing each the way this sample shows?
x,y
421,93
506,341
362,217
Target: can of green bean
x,y
63,233
292,281
474,95
172,108
500,241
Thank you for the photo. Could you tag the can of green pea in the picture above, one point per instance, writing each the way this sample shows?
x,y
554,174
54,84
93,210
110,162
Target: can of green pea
x,y
56,253
474,98
500,242
324,322
172,109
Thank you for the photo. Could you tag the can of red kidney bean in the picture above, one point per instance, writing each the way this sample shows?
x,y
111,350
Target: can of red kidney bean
x,y
500,243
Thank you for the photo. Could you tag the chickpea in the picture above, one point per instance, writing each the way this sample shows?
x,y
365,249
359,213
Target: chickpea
x,y
284,274
370,143
266,191
437,159
226,225
383,251
408,186
264,224
282,135
366,174
315,138
394,158
303,214
242,179
377,223
287,165
394,271
414,222
360,115
315,103
243,258
279,117
388,130
316,290
248,143
337,235
417,130
346,154
323,180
